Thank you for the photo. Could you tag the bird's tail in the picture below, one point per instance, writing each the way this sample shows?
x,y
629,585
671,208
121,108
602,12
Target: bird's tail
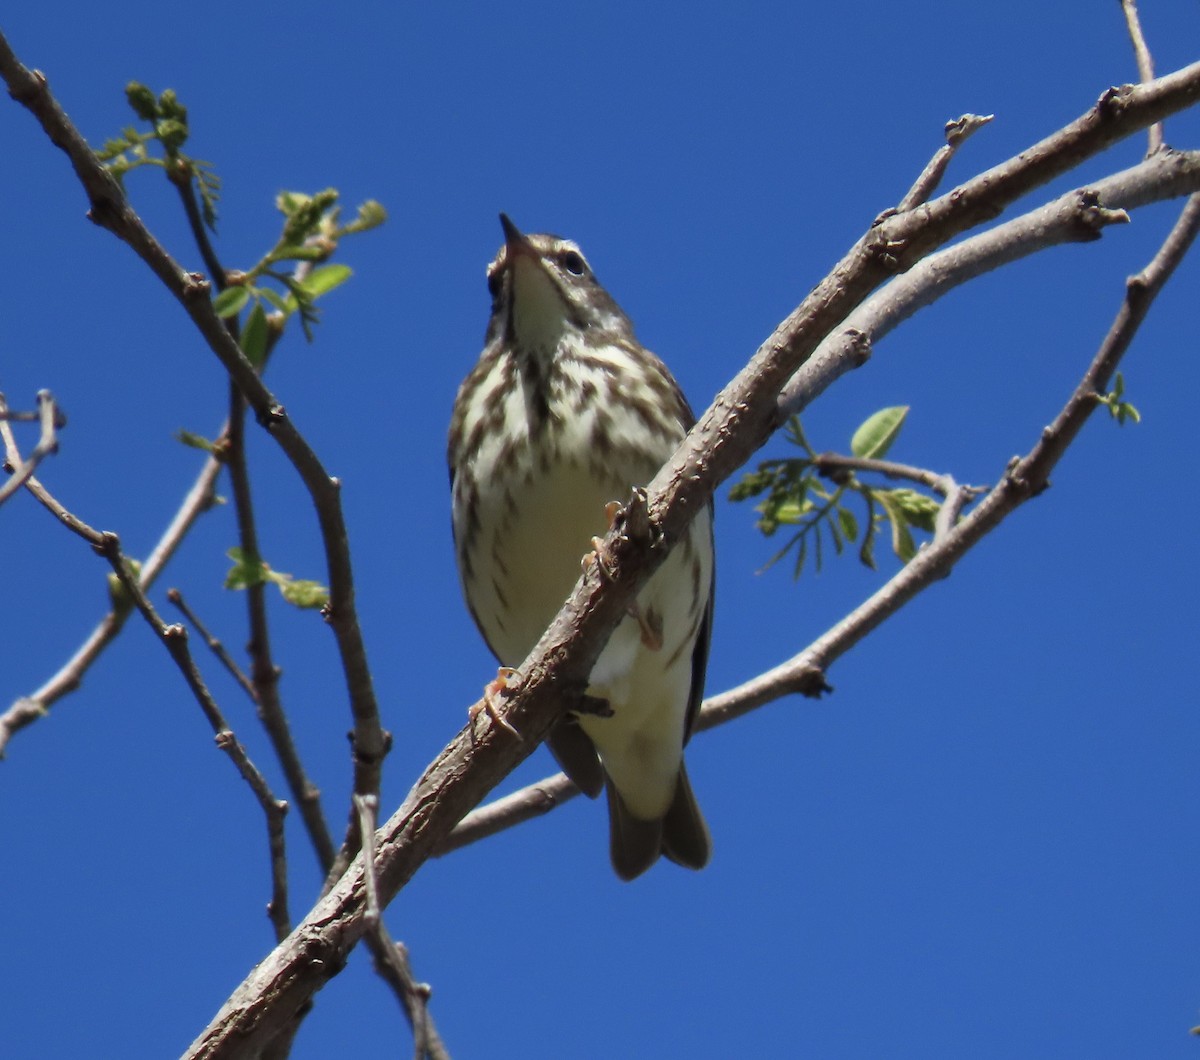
x,y
635,844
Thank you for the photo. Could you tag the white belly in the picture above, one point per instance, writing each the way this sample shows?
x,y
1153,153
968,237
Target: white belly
x,y
535,518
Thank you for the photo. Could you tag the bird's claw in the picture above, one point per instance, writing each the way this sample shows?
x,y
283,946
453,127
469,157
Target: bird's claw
x,y
488,704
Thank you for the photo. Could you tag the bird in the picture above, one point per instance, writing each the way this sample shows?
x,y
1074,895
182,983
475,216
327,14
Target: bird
x,y
563,412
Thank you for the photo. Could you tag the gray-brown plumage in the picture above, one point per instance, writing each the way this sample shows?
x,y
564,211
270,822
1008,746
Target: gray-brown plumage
x,y
564,412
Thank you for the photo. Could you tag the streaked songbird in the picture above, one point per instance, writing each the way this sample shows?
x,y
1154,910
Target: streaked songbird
x,y
564,412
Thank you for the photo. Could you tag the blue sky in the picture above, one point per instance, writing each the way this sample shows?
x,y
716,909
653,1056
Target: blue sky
x,y
982,844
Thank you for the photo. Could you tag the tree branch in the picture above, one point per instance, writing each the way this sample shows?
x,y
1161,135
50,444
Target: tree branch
x,y
111,210
804,673
1145,65
555,673
22,470
1069,218
28,709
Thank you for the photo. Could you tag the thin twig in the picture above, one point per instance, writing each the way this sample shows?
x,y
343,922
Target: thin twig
x,y
926,184
22,470
367,807
182,177
214,645
1079,214
174,638
111,210
1145,65
829,464
28,709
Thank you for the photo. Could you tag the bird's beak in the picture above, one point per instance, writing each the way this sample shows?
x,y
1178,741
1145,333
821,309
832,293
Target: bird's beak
x,y
515,240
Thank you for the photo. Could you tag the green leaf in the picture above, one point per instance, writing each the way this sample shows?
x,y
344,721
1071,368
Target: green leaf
x,y
902,539
1118,409
142,100
195,441
848,523
246,570
918,509
324,279
304,594
122,602
254,336
275,299
370,215
877,433
231,301
801,556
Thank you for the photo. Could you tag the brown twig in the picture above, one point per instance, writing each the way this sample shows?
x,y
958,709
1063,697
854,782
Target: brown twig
x,y
926,184
174,638
182,177
829,464
213,644
1145,65
1080,214
22,470
28,709
111,210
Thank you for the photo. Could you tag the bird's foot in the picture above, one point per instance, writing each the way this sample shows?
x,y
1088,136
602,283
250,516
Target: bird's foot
x,y
650,624
489,705
599,555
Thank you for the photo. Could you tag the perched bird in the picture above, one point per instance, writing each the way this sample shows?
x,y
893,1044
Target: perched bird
x,y
564,412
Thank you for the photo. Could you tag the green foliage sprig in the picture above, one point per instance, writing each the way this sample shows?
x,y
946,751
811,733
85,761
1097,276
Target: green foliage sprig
x,y
248,570
809,493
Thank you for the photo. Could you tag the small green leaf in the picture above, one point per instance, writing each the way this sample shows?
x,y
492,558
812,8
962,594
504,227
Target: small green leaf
x,y
325,279
304,594
254,336
877,433
1118,409
275,299
902,539
231,301
172,132
848,523
195,441
122,602
918,509
142,100
246,570
370,215
801,556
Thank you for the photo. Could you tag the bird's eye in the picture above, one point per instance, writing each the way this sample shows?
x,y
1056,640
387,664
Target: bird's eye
x,y
573,262
494,282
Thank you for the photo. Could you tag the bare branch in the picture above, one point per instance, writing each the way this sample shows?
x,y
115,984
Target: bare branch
x,y
828,464
28,709
110,209
1145,65
957,132
22,470
1069,218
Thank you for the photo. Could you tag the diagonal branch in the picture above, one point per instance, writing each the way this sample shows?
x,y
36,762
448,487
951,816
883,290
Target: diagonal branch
x,y
22,470
804,673
555,672
1078,215
28,709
